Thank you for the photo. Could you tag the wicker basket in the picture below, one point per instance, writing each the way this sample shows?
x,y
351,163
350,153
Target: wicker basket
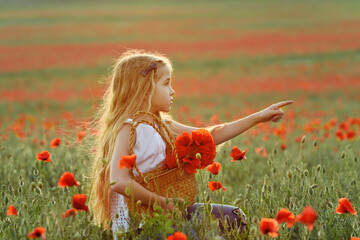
x,y
165,182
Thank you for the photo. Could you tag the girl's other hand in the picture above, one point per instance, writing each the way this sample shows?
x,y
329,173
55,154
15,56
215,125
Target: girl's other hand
x,y
273,112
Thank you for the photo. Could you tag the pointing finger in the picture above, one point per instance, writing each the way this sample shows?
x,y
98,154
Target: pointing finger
x,y
284,103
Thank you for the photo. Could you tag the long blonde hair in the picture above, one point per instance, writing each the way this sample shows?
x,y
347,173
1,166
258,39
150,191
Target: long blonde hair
x,y
126,90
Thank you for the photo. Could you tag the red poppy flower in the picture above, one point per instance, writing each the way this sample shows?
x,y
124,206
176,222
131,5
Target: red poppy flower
x,y
177,236
183,143
269,226
215,186
345,207
11,211
170,161
37,232
339,135
67,180
344,126
127,161
355,238
237,154
80,136
43,156
298,139
69,212
203,143
283,146
215,119
285,215
194,164
79,202
261,151
214,168
198,149
55,143
307,217
350,135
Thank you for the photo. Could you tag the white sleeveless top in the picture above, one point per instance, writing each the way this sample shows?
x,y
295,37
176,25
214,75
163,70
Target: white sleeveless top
x,y
150,153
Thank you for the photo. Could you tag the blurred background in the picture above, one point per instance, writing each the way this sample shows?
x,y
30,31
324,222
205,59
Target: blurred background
x,y
234,55
230,59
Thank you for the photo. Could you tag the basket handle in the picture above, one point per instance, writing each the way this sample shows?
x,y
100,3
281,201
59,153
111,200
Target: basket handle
x,y
168,141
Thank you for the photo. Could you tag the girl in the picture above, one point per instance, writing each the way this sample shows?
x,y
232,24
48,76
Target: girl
x,y
142,81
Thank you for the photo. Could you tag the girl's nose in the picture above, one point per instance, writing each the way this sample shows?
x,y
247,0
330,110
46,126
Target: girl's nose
x,y
172,92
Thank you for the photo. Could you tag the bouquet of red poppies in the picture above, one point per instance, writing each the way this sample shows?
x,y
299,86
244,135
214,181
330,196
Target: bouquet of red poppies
x,y
197,149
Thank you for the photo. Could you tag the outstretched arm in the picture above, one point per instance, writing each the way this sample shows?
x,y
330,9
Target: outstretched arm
x,y
226,131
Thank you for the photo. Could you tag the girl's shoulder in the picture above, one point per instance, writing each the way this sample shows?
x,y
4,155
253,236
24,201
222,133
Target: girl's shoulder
x,y
123,136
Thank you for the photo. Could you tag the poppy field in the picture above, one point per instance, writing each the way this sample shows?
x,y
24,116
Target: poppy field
x,y
294,179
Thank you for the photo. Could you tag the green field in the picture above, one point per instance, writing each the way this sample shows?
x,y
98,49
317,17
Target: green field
x,y
230,59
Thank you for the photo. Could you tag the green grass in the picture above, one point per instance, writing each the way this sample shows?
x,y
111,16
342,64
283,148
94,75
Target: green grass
x,y
299,176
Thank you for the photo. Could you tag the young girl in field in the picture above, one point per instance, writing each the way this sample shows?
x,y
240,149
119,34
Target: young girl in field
x,y
142,81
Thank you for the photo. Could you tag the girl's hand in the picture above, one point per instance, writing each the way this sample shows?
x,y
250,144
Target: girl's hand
x,y
274,112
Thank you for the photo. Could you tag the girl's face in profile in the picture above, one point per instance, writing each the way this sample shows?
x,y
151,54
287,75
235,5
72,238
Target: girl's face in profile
x,y
162,97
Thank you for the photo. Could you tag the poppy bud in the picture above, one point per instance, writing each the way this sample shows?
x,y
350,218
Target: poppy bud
x,y
311,191
3,188
36,172
303,139
355,225
327,189
237,201
269,162
329,204
86,232
112,183
38,190
275,151
306,172
10,188
32,185
290,174
198,156
353,182
343,155
315,144
146,178
253,230
19,190
355,159
25,205
127,191
318,168
313,186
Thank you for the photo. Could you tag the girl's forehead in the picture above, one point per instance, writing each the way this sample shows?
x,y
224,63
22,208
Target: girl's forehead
x,y
164,72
